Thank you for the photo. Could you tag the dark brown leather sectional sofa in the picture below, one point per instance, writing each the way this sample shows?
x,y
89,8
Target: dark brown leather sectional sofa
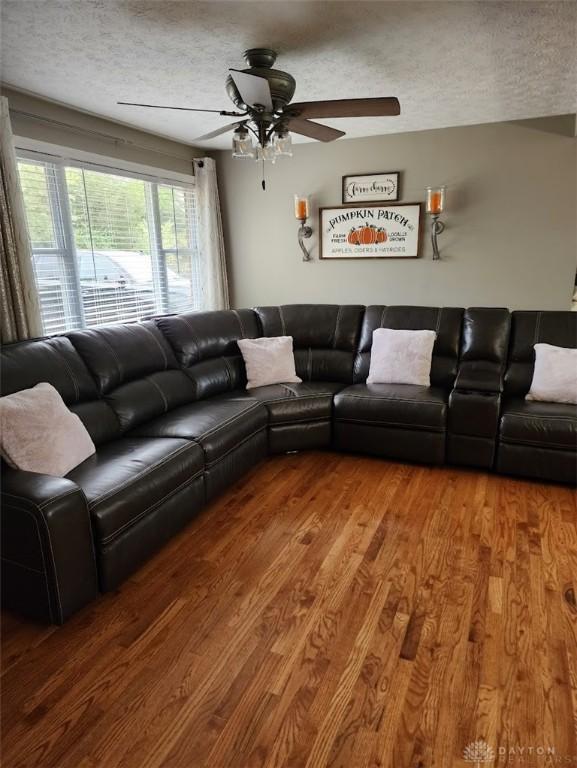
x,y
165,404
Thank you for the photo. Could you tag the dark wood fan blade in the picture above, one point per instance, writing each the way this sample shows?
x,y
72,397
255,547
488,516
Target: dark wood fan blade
x,y
218,131
383,107
184,109
254,90
314,130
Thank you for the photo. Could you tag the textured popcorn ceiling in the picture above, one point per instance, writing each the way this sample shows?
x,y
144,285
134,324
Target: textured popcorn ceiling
x,y
449,63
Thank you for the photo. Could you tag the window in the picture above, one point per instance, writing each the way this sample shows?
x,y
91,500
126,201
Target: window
x,y
108,246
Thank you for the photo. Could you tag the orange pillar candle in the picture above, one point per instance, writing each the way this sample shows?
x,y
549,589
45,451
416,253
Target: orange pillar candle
x,y
301,208
435,200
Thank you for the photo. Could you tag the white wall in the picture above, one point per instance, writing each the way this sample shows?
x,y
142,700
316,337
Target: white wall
x,y
511,237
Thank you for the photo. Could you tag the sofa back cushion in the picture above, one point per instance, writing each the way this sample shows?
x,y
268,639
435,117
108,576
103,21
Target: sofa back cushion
x,y
205,345
445,321
135,370
55,361
528,329
325,337
484,345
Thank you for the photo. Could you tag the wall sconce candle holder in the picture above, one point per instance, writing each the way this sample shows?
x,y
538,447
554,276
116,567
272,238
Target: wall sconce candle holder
x,y
435,207
302,213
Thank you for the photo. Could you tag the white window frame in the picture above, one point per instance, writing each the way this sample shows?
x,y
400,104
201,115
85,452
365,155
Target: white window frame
x,y
60,158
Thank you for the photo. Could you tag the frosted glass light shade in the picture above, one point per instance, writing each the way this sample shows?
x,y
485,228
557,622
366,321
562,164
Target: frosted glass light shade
x,y
242,145
283,144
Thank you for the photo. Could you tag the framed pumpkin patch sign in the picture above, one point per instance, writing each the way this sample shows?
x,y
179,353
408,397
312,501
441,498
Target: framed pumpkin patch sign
x,y
370,231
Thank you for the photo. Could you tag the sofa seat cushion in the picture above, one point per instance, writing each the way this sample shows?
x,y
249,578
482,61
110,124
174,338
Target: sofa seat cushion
x,y
293,403
406,406
219,424
533,422
128,478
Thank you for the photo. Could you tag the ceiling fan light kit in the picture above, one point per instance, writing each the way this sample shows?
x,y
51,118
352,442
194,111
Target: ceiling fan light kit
x,y
243,145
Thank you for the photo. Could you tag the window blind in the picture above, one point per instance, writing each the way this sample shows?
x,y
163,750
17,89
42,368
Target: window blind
x,y
108,247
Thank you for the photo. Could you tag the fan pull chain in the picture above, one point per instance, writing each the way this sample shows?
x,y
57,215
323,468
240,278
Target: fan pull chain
x,y
263,182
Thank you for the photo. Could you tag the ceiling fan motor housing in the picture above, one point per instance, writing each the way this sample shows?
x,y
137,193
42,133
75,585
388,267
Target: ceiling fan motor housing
x,y
260,61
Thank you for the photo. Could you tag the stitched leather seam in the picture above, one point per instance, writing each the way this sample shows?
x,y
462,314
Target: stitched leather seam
x,y
394,424
546,443
484,438
291,395
160,392
99,499
296,398
90,534
158,344
227,422
73,378
439,314
53,565
241,324
228,371
46,502
57,498
115,357
193,381
393,399
282,322
319,419
214,462
189,481
57,590
190,327
21,565
571,419
340,309
382,320
310,364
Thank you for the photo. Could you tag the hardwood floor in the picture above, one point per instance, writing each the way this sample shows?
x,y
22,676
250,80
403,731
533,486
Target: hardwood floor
x,y
328,611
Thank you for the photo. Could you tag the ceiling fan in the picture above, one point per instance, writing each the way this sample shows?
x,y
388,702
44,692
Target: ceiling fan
x,y
263,96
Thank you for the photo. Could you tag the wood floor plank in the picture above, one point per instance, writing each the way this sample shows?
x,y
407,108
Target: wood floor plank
x,y
328,611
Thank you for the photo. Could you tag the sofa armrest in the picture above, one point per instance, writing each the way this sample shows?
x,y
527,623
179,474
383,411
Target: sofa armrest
x,y
48,562
479,376
472,427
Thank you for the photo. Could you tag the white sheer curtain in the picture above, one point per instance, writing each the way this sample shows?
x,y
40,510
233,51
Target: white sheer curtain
x,y
210,238
19,310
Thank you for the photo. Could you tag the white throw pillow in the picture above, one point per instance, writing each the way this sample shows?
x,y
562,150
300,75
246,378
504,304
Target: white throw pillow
x,y
269,360
39,433
401,357
555,375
